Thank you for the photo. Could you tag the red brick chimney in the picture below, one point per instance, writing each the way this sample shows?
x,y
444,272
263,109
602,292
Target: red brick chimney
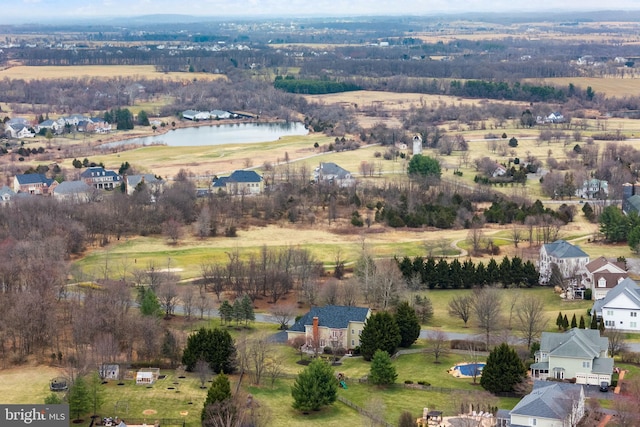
x,y
316,332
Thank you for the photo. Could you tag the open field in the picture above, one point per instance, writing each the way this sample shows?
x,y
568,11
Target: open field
x,y
99,71
610,87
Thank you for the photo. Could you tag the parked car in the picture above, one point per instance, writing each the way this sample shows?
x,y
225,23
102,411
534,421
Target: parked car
x,y
604,387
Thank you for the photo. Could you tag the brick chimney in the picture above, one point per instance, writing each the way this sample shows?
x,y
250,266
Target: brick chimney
x,y
316,332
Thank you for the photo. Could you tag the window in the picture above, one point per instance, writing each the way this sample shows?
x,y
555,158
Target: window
x,y
634,314
633,325
586,364
353,342
609,323
609,312
353,332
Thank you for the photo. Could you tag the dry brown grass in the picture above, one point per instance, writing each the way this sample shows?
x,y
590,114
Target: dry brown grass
x,y
32,381
99,71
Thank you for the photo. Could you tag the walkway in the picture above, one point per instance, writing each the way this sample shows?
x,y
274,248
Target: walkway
x,y
608,417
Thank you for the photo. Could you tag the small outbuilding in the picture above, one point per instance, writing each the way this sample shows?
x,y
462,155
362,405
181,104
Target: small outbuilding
x,y
147,376
109,372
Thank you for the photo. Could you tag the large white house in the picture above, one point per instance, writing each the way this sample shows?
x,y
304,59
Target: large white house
x,y
550,404
620,309
569,258
577,353
602,275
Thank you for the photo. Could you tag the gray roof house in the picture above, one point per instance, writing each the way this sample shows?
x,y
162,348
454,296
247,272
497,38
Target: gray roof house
x,y
6,194
332,325
569,258
577,353
74,192
240,182
620,308
153,183
549,404
333,174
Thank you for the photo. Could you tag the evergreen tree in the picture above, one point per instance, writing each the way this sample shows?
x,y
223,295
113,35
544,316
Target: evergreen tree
x,y
493,272
468,274
594,322
219,391
505,272
559,320
78,398
408,324
581,325
424,308
226,312
213,345
455,274
380,332
149,304
382,370
565,323
574,321
238,312
96,392
143,118
53,399
247,309
314,387
601,327
503,370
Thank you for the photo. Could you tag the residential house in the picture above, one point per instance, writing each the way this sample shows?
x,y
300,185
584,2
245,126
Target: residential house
x,y
196,115
593,189
577,353
74,119
99,125
602,275
33,183
500,170
569,258
6,194
100,178
18,130
240,182
550,404
332,325
219,114
620,308
630,197
554,117
74,192
153,183
51,125
333,174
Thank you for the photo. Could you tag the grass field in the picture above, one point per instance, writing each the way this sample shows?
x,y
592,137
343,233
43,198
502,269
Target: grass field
x,y
99,71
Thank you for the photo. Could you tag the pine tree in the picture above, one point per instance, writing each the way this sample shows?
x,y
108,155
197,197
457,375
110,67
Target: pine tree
x,y
226,312
574,321
594,322
238,312
149,304
215,346
424,309
219,391
382,370
247,309
78,398
408,324
503,370
380,332
559,320
565,323
581,325
314,387
601,327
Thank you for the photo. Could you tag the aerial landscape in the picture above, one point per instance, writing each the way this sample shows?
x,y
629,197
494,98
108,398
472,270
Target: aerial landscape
x,y
262,215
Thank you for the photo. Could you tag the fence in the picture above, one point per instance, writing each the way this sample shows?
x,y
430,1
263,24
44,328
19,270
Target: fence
x,y
364,412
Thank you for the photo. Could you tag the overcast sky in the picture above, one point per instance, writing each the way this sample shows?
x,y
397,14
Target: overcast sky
x,y
44,10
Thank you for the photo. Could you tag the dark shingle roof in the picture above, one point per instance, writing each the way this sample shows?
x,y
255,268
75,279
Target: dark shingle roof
x,y
548,400
331,316
564,249
245,176
33,178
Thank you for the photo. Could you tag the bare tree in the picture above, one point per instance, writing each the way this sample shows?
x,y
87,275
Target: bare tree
x,y
531,318
389,283
283,313
187,296
203,371
349,292
168,297
476,238
461,307
617,342
486,307
202,303
330,292
436,344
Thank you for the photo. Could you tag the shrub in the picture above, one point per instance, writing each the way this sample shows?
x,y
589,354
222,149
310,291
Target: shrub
x,y
424,383
408,382
466,344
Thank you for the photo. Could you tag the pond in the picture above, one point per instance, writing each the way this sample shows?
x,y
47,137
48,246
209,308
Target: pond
x,y
232,133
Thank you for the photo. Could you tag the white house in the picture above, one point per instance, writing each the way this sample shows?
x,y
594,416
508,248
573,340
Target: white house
x,y
196,115
554,117
569,258
550,404
333,174
240,182
620,309
577,353
593,189
602,275
18,130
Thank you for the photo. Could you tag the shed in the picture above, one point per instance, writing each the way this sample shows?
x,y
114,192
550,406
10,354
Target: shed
x,y
147,376
109,372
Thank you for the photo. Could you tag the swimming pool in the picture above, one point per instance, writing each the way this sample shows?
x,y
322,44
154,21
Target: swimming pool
x,y
468,369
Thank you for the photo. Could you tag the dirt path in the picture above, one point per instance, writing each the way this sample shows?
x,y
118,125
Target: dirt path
x,y
607,418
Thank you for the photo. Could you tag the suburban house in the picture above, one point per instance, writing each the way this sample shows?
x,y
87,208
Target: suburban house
x,y
100,178
18,130
333,174
33,183
601,275
593,189
569,258
332,325
500,170
153,183
74,192
550,404
577,353
219,114
240,182
554,117
630,197
6,194
620,308
51,125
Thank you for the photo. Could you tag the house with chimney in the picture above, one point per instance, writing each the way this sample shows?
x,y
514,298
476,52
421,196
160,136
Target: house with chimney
x,y
602,275
569,258
333,326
